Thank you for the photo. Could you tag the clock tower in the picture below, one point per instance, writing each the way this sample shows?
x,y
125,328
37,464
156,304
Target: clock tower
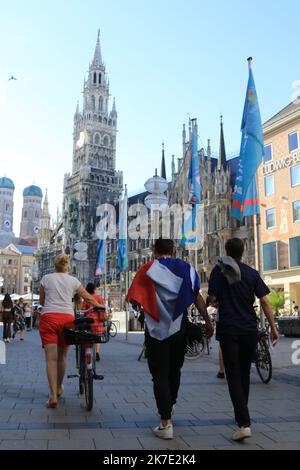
x,y
94,179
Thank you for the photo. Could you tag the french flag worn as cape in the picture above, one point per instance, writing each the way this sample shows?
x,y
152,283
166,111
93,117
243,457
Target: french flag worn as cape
x,y
165,288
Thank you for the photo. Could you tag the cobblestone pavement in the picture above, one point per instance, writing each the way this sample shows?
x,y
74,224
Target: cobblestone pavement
x,y
124,410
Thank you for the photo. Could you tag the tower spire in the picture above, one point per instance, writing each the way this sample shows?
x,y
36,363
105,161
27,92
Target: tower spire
x,y
163,163
222,152
97,61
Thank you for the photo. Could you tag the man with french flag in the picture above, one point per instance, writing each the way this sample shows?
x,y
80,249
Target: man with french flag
x,y
164,288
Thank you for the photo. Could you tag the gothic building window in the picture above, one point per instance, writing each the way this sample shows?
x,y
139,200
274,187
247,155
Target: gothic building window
x,y
93,102
7,208
97,139
100,103
109,122
105,121
100,78
99,119
95,77
36,214
106,141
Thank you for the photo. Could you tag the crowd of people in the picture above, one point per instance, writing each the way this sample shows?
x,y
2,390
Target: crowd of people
x,y
161,293
18,317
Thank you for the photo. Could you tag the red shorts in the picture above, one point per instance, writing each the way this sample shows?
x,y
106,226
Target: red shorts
x,y
51,328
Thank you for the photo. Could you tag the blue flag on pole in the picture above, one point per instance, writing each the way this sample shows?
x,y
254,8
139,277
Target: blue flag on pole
x,y
100,261
190,216
245,198
122,261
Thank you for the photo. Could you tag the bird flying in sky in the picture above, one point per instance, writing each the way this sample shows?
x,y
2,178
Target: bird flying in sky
x,y
12,78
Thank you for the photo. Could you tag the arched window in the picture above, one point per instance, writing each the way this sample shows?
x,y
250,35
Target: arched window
x,y
25,215
93,102
95,77
96,139
7,207
106,141
109,122
36,214
100,103
105,121
99,119
105,164
100,78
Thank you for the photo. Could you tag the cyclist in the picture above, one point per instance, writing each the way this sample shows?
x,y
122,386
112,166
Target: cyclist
x,y
90,288
56,293
234,286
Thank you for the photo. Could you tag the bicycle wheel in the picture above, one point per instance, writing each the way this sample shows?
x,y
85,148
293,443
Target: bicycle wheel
x,y
81,366
263,362
112,330
88,388
194,349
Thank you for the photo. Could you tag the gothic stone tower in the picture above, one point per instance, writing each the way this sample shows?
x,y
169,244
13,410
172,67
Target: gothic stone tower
x,y
45,230
94,179
7,188
31,212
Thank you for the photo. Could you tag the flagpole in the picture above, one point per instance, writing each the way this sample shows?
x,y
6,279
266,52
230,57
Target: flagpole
x,y
256,236
104,247
126,305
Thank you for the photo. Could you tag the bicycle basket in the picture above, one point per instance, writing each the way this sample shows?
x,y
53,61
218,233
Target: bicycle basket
x,y
95,333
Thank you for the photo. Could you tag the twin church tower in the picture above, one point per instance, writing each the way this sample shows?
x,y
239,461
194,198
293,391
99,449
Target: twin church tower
x,y
32,212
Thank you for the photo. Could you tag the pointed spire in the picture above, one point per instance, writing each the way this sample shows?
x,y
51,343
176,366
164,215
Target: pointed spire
x,y
46,206
222,152
97,61
163,163
114,109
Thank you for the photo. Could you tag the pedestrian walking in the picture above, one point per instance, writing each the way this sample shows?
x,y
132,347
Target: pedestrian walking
x,y
164,288
234,286
7,317
57,291
27,314
19,323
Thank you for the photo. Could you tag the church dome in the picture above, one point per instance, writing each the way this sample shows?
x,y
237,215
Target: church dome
x,y
6,183
33,191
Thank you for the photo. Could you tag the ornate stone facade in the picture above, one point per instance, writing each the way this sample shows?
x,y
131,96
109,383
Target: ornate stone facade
x,y
94,179
217,182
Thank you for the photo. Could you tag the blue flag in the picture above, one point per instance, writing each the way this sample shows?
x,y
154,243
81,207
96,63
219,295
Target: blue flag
x,y
191,213
100,261
245,198
122,261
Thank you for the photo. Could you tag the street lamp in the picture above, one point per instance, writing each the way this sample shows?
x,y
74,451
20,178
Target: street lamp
x,y
156,186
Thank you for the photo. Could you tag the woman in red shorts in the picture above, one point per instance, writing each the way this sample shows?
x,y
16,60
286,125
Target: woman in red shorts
x,y
56,296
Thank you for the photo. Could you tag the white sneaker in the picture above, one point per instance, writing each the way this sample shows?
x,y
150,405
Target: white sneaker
x,y
241,434
164,432
8,340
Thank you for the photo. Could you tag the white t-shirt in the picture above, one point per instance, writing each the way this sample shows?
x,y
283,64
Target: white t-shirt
x,y
59,292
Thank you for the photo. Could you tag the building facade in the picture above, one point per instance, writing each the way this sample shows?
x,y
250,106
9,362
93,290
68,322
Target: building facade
x,y
279,193
217,176
15,267
94,179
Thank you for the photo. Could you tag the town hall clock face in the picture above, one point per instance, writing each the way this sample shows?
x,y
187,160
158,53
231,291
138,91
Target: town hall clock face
x,y
7,223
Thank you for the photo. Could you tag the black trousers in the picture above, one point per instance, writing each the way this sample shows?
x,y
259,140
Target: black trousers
x,y
238,352
165,359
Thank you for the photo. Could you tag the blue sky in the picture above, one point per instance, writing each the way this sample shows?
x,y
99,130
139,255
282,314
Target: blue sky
x,y
165,59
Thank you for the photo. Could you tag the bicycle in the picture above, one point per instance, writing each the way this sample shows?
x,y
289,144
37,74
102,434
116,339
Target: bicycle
x,y
84,332
263,360
195,347
111,328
